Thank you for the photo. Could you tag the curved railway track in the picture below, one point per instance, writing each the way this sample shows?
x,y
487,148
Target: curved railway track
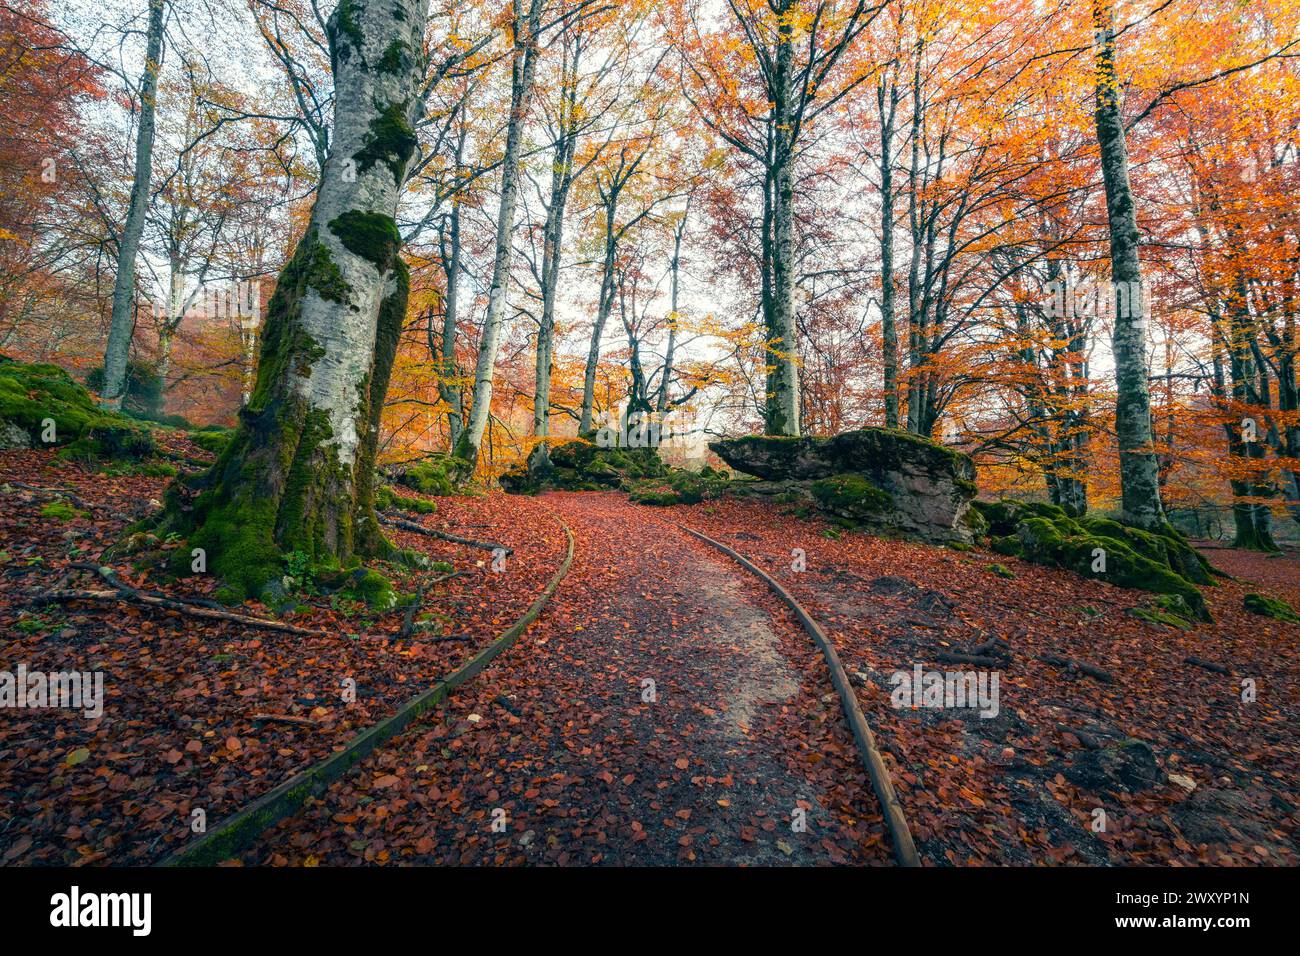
x,y
895,820
241,830
238,831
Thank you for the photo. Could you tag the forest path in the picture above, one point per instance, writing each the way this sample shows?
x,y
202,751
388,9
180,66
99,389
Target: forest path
x,y
664,709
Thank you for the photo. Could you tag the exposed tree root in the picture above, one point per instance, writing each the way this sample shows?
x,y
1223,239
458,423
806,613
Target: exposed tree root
x,y
418,528
121,591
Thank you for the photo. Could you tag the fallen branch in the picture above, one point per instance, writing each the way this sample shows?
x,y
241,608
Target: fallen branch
x,y
1208,665
408,619
1070,664
285,719
979,660
991,646
418,528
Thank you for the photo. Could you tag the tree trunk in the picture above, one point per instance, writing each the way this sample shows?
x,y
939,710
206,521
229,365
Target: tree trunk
x,y
298,473
782,334
1139,471
552,247
445,346
122,326
888,328
661,403
523,63
603,308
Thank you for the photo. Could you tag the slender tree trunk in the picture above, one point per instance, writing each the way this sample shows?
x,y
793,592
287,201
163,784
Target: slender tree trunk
x,y
1139,469
448,372
888,327
523,63
782,334
552,248
121,327
1251,513
298,474
661,402
603,308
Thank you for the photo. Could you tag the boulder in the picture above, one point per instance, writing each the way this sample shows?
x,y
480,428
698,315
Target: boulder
x,y
880,478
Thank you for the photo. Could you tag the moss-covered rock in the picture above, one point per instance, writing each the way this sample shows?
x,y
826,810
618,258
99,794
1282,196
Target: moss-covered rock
x,y
437,475
387,499
44,402
1275,608
928,487
374,589
581,465
1102,549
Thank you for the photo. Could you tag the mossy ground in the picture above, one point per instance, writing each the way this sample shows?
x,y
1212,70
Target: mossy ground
x,y
680,487
1275,608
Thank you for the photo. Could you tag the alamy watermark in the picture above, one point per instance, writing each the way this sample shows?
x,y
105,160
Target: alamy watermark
x,y
939,690
69,690
1067,299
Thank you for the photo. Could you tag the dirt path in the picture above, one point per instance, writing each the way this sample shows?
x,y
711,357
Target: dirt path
x,y
664,710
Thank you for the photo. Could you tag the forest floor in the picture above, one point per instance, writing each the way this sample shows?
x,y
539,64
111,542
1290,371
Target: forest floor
x,y
665,708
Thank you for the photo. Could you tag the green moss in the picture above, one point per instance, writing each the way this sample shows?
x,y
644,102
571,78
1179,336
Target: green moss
x,y
386,499
434,476
213,441
1169,610
321,271
373,588
851,496
61,511
392,141
370,235
1064,543
1275,608
346,20
393,59
1001,570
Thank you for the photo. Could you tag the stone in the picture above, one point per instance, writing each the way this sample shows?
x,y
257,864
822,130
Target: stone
x,y
13,435
882,479
1127,766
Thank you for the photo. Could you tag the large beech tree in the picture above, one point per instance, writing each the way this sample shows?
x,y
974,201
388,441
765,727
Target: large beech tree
x,y
298,473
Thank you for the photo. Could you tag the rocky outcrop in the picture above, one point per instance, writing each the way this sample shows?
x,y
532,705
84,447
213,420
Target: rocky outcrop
x,y
879,478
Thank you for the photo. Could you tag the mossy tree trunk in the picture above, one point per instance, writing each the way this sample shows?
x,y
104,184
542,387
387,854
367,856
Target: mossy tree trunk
x,y
298,474
1139,470
782,385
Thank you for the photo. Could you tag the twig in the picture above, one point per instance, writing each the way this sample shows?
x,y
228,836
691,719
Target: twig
x,y
408,619
285,719
979,660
